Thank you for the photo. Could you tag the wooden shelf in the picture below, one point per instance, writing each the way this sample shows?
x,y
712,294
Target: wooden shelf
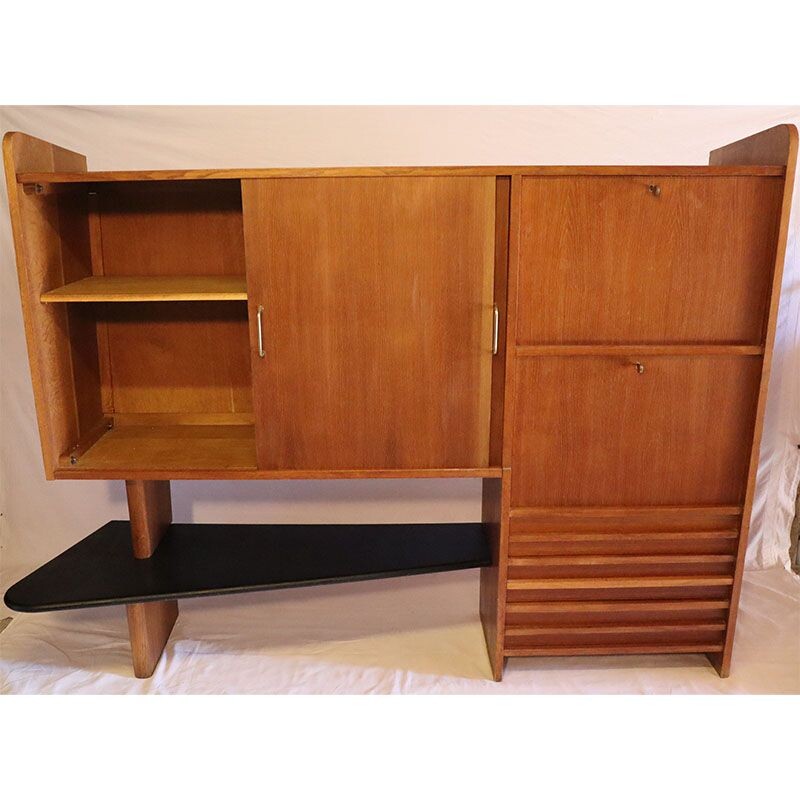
x,y
172,447
194,560
118,289
163,451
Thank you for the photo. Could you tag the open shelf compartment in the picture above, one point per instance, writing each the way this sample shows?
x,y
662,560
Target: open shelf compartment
x,y
194,560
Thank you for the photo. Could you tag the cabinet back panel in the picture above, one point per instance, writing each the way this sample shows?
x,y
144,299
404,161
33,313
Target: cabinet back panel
x,y
608,260
187,358
171,228
377,297
591,431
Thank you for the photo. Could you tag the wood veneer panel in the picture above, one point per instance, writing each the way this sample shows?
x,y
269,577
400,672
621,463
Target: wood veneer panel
x,y
622,543
612,650
616,612
633,565
592,431
692,633
188,358
778,145
121,289
51,241
377,298
607,260
57,176
195,471
124,450
670,587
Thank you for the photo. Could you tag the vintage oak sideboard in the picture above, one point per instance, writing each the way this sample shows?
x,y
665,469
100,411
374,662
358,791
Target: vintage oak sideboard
x,y
593,343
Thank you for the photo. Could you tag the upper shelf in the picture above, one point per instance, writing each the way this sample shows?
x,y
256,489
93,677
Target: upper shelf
x,y
33,178
104,289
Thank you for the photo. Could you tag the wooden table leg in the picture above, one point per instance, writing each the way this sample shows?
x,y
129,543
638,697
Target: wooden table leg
x,y
149,624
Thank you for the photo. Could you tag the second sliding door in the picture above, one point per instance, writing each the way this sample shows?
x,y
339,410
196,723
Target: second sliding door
x,y
374,297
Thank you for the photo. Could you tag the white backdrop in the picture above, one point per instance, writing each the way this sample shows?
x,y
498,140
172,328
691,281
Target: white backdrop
x,y
40,519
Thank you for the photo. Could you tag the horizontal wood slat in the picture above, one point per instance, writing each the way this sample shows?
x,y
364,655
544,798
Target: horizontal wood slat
x,y
532,351
622,543
682,587
619,566
33,178
618,612
615,650
698,634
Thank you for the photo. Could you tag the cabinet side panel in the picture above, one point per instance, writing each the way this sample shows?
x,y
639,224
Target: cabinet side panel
x,y
51,243
777,146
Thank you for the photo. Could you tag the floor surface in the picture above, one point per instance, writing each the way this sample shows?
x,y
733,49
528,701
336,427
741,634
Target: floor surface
x,y
416,634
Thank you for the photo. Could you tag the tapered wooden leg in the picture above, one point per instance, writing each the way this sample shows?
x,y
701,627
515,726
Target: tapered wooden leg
x,y
149,624
149,627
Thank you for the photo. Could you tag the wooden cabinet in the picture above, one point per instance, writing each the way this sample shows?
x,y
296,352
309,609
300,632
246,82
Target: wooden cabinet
x,y
593,343
372,298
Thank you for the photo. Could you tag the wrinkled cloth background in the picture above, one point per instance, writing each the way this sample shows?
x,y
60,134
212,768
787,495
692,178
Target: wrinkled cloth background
x,y
409,634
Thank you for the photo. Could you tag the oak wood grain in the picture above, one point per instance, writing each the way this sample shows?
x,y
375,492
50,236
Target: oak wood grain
x,y
169,288
377,298
592,431
642,612
31,177
606,260
778,145
51,242
184,357
149,624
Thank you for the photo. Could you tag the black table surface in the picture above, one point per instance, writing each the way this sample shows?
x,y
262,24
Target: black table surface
x,y
194,560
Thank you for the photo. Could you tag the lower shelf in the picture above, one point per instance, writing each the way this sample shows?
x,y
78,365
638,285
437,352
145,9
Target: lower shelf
x,y
194,560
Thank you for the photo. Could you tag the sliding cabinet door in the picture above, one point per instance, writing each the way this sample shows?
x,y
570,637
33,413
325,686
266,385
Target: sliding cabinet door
x,y
374,297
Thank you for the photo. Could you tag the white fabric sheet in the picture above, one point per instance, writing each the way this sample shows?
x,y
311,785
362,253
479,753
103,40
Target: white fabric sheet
x,y
41,519
417,634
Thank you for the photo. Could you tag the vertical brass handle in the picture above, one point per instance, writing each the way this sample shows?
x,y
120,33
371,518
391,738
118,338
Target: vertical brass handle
x,y
259,320
495,329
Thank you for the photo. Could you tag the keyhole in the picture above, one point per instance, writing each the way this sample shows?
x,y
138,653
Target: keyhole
x,y
654,189
639,367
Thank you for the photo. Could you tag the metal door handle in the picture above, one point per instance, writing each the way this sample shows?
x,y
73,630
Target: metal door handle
x,y
495,329
259,320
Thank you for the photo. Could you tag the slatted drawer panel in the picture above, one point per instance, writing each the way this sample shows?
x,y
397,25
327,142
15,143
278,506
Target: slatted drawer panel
x,y
652,581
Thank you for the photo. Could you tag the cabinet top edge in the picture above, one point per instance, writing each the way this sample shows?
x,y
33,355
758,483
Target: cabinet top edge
x,y
397,171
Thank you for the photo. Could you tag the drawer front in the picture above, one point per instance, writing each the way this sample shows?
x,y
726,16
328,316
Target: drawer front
x,y
594,431
610,260
659,582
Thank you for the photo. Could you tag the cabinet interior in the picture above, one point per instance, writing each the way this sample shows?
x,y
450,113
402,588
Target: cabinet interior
x,y
152,296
